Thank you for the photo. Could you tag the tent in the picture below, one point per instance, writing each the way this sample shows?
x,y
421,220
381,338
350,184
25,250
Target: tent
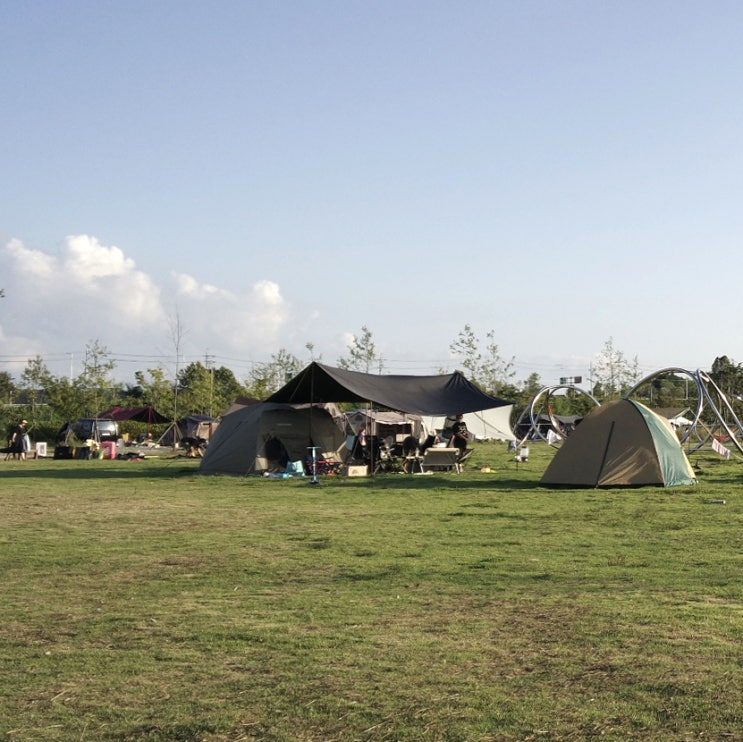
x,y
239,403
485,425
265,436
387,423
620,444
448,394
191,426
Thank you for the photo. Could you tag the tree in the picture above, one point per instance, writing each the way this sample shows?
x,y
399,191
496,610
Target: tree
x,y
8,388
727,375
496,372
311,348
195,388
466,348
155,390
98,389
64,397
612,373
207,391
8,392
362,353
490,371
266,378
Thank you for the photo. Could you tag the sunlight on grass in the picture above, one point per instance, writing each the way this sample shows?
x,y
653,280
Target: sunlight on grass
x,y
142,601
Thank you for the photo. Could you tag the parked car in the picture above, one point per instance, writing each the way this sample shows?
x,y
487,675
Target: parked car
x,y
89,428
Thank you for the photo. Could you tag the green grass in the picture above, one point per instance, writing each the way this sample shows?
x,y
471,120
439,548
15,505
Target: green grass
x,y
144,602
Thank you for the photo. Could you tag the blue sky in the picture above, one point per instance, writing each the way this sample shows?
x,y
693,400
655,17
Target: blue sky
x,y
278,173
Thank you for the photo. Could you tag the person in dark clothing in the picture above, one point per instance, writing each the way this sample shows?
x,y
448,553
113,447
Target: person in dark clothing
x,y
15,444
460,436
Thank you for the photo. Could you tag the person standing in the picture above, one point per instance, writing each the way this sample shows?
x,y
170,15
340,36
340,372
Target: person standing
x,y
460,435
17,441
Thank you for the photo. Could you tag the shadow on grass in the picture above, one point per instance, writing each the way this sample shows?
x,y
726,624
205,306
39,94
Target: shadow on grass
x,y
131,471
445,481
175,468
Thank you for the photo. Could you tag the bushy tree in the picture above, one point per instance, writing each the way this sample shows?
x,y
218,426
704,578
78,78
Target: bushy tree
x,y
206,391
153,388
8,389
266,378
727,375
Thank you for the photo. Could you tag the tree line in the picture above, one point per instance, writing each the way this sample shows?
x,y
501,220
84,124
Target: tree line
x,y
48,400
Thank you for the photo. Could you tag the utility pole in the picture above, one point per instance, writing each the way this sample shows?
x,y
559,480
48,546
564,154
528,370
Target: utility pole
x,y
210,368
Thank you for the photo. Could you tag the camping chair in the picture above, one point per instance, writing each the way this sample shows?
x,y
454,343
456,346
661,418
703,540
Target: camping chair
x,y
386,461
462,460
439,459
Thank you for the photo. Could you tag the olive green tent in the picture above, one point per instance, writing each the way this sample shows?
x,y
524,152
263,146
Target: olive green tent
x,y
265,437
620,444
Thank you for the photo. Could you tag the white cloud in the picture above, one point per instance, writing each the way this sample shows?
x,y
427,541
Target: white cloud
x,y
249,323
57,303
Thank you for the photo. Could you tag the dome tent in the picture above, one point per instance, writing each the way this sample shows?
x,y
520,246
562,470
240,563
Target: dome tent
x,y
264,437
620,444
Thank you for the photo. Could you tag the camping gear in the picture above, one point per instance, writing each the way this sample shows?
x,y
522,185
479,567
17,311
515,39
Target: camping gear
x,y
266,437
484,425
620,444
188,429
386,424
108,449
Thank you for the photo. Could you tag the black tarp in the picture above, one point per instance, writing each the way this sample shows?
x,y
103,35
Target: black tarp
x,y
448,394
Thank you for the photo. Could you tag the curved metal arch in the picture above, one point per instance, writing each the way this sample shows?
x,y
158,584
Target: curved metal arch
x,y
703,383
677,370
532,407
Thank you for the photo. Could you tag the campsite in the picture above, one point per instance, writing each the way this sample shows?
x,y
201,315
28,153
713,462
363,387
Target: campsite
x,y
144,601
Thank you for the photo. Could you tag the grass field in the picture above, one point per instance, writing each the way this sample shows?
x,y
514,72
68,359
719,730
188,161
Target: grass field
x,y
144,602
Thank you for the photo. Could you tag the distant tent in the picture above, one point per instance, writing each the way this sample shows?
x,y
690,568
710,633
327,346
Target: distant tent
x,y
485,425
239,403
447,394
147,415
620,444
386,424
265,436
191,427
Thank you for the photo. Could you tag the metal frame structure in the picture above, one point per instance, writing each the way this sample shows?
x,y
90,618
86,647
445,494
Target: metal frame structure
x,y
709,394
533,412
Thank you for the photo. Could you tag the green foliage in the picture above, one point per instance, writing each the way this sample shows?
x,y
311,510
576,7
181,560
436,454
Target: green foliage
x,y
153,388
96,388
613,374
266,378
362,353
487,370
728,375
143,602
207,391
668,390
8,389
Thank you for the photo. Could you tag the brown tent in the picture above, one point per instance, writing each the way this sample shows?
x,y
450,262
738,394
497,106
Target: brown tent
x,y
620,444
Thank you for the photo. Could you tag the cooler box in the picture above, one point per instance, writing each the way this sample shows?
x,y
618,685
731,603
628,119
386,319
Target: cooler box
x,y
109,449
